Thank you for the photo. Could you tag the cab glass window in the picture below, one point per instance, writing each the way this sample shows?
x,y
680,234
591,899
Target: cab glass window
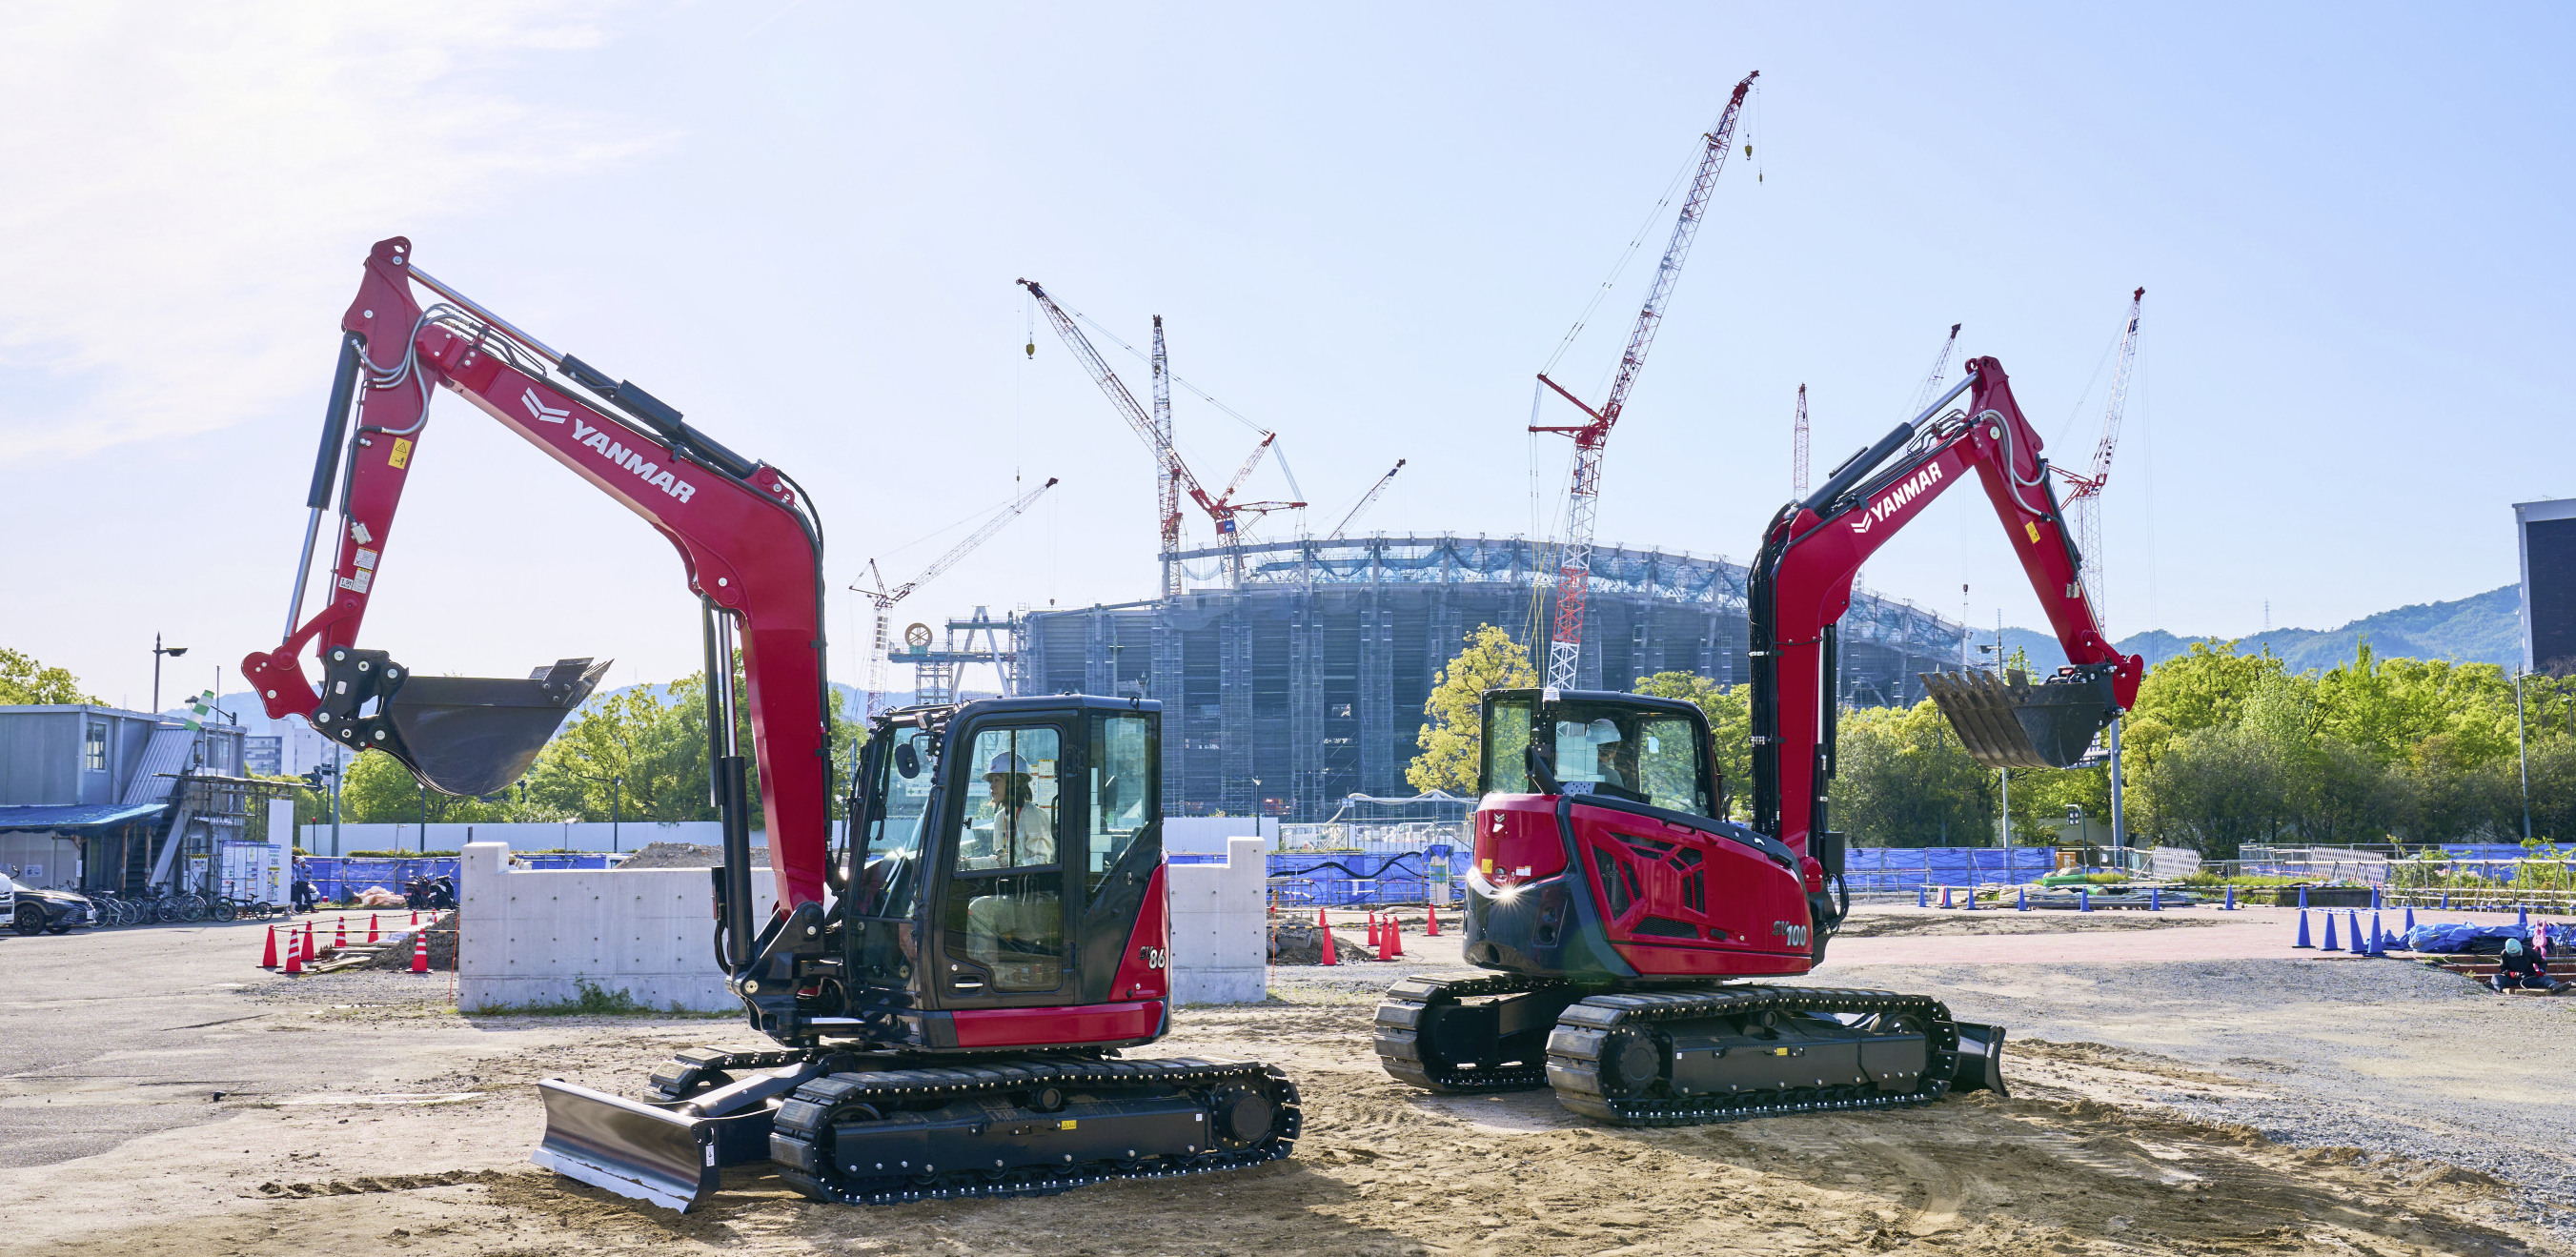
x,y
1005,908
1507,733
1647,757
1122,786
890,877
1011,801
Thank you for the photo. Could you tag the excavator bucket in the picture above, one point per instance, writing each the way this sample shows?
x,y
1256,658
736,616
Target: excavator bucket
x,y
461,735
2011,723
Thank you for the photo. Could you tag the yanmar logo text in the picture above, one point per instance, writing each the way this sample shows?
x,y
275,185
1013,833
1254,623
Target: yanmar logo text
x,y
632,460
1914,487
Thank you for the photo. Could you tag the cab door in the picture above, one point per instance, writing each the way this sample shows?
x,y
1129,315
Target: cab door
x,y
1001,923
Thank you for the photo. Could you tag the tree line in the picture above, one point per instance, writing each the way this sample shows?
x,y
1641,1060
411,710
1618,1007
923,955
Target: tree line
x,y
2224,749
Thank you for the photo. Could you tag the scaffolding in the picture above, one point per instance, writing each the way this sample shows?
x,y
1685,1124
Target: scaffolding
x,y
1300,682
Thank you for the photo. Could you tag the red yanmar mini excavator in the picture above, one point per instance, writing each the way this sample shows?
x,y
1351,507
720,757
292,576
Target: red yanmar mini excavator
x,y
948,992
1619,906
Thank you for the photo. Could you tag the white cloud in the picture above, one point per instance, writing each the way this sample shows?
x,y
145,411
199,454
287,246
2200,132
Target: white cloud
x,y
185,179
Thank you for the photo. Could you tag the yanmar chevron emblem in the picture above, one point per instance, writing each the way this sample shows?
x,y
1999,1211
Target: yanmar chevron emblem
x,y
540,411
1914,487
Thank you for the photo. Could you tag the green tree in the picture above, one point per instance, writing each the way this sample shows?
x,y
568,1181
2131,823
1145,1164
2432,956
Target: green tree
x,y
1729,709
1453,741
1903,779
25,681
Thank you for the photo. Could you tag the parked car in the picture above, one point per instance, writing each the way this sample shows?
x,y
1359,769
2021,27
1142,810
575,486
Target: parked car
x,y
37,911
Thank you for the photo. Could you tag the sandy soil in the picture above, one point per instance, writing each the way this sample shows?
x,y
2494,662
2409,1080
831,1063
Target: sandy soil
x,y
383,1121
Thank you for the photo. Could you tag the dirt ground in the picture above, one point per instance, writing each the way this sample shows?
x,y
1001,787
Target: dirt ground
x,y
358,1112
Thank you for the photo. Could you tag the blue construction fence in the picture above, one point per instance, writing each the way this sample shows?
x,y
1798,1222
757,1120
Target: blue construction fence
x,y
1336,879
1904,868
339,877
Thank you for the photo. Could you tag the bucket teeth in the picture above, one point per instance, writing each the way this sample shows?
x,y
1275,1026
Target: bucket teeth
x,y
2010,723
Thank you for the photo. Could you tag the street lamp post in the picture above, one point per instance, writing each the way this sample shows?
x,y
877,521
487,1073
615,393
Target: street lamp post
x,y
159,650
616,790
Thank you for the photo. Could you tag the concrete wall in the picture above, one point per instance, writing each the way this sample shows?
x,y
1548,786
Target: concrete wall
x,y
1220,947
522,835
1208,835
532,936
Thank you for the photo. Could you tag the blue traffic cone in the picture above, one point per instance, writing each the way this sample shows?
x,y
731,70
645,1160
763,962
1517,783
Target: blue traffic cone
x,y
2021,898
2303,899
2303,929
2231,900
2374,899
2155,899
2353,942
2522,917
2083,899
1922,896
2331,945
2410,919
1971,905
2378,937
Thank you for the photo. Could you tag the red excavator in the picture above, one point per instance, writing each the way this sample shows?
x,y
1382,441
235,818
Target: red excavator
x,y
950,989
1619,905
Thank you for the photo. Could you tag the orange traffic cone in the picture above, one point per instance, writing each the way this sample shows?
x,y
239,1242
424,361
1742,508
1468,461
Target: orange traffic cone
x,y
371,927
1394,940
1376,937
294,954
307,948
415,918
1325,924
268,958
420,951
1430,921
341,939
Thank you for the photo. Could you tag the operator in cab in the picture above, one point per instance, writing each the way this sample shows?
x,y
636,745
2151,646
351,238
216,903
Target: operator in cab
x,y
1009,829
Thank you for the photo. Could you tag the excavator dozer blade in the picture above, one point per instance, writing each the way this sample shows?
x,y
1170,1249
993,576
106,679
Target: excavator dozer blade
x,y
628,1147
1981,1059
476,735
2014,724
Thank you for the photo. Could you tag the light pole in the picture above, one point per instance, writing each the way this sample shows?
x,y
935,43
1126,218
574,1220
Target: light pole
x,y
159,650
616,790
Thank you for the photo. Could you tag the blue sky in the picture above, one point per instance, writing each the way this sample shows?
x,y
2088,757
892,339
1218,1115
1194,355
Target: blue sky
x,y
1365,227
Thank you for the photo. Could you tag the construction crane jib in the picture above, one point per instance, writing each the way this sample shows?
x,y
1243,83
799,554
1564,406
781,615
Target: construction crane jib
x,y
885,598
1583,495
2084,497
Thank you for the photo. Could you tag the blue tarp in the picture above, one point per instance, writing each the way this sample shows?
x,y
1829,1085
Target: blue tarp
x,y
338,877
2465,938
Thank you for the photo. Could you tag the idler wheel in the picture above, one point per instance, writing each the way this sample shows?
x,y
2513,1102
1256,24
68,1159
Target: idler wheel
x,y
1631,1063
1239,1115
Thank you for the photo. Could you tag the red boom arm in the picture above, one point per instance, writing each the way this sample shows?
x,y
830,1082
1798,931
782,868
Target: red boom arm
x,y
1803,580
746,546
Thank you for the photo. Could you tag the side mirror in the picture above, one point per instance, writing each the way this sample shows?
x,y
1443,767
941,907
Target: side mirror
x,y
906,760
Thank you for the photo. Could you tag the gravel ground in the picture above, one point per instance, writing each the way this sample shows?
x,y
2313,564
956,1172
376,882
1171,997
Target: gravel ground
x,y
2391,1057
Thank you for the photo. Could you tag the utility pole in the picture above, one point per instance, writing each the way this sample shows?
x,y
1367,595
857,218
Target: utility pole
x,y
2522,753
335,798
159,650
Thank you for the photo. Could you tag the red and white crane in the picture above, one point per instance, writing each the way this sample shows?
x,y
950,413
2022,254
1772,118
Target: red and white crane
x,y
1365,500
1583,495
1155,430
885,598
2084,500
1798,448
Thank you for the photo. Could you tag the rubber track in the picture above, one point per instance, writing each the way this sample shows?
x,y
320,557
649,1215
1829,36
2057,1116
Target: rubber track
x,y
1409,1003
1574,1066
808,1114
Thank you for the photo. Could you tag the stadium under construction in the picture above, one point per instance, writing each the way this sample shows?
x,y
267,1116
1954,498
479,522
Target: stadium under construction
x,y
1293,673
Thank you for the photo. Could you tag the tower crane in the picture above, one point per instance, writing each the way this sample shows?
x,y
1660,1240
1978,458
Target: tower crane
x,y
1798,448
885,598
2084,501
1365,500
1940,371
1156,431
1583,495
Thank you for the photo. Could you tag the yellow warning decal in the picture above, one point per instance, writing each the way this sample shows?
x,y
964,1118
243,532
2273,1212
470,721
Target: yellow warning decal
x,y
2034,531
1779,1051
1066,1124
401,457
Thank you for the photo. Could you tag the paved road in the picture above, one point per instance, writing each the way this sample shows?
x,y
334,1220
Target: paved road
x,y
117,1033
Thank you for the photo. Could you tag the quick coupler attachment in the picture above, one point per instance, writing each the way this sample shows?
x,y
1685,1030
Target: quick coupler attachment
x,y
460,735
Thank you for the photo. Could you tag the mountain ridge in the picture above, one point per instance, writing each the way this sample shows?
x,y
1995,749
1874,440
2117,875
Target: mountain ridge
x,y
2481,628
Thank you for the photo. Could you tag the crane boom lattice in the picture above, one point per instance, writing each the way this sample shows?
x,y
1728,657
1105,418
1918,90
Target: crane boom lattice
x,y
2084,501
1798,448
1583,495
